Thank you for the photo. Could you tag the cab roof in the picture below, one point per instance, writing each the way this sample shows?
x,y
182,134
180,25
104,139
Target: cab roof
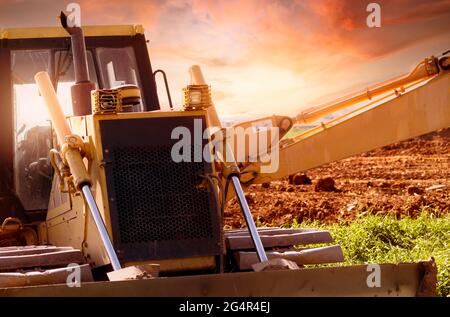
x,y
58,32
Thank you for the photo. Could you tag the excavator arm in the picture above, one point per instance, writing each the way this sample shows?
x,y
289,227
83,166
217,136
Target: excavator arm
x,y
413,105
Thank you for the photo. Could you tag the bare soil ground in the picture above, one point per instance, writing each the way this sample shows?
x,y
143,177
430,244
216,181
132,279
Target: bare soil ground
x,y
397,179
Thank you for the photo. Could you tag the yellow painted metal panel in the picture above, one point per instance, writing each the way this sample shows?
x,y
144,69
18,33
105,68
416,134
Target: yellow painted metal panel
x,y
54,32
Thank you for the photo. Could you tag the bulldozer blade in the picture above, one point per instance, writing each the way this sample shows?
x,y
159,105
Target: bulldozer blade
x,y
405,279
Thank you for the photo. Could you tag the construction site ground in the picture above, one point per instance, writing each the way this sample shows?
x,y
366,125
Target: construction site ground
x,y
400,179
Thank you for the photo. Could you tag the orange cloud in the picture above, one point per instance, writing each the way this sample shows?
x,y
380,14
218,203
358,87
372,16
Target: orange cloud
x,y
313,39
257,51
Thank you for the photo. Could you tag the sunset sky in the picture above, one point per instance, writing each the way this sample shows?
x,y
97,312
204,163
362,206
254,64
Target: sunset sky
x,y
266,56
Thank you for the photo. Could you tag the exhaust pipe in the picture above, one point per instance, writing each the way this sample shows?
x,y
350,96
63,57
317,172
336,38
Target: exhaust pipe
x,y
81,90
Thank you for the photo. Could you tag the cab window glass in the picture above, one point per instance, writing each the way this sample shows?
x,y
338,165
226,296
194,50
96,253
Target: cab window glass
x,y
32,127
117,68
32,130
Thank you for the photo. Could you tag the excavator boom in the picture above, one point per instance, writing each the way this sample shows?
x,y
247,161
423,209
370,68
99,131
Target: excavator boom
x,y
414,105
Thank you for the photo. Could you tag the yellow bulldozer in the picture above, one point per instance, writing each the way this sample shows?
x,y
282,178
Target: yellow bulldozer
x,y
96,180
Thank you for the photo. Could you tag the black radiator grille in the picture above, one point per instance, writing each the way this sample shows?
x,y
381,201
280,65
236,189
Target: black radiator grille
x,y
158,199
157,208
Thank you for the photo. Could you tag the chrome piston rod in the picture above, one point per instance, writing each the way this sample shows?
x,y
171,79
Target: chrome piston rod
x,y
101,227
262,256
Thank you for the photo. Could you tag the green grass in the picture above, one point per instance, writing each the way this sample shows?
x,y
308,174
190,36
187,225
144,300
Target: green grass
x,y
384,239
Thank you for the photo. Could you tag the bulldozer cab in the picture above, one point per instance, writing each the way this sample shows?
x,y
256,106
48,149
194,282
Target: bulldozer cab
x,y
116,56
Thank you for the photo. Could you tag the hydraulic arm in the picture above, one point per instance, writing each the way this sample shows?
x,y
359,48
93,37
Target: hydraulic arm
x,y
398,110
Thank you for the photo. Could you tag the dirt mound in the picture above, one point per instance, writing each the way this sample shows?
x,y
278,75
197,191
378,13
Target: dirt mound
x,y
398,179
325,185
435,143
300,179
